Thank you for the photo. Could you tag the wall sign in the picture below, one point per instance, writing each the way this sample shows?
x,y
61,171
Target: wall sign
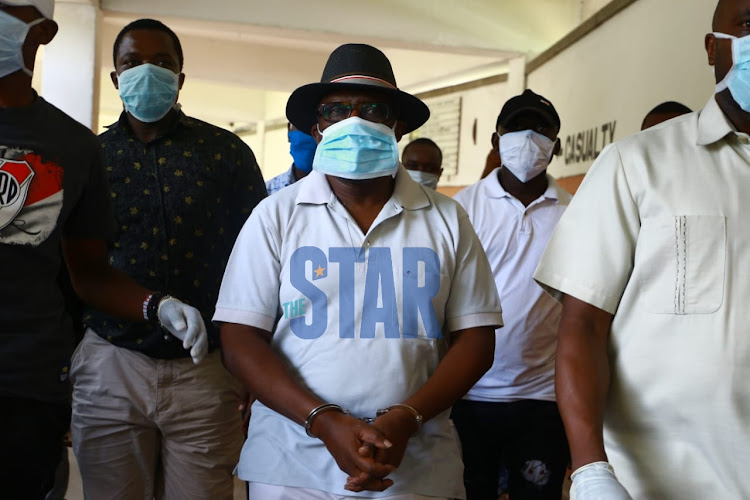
x,y
587,144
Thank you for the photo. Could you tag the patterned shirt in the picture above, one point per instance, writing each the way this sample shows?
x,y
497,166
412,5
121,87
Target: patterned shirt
x,y
281,181
180,202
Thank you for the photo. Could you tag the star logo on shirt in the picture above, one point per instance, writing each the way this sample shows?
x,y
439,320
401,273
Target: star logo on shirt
x,y
320,272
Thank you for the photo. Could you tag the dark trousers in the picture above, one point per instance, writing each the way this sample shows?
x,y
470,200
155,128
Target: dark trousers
x,y
526,436
31,434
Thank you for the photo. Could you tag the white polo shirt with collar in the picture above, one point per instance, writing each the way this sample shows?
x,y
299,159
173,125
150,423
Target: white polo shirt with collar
x,y
514,237
658,235
359,318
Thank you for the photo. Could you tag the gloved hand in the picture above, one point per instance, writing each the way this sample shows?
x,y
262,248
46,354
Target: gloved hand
x,y
185,323
597,481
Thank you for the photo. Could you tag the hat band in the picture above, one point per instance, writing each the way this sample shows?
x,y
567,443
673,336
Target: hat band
x,y
363,80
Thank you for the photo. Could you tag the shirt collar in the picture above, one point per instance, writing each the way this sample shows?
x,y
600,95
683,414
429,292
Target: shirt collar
x,y
407,193
713,125
493,189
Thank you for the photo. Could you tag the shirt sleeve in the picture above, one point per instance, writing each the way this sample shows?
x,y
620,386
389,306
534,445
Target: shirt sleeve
x,y
591,252
249,293
93,215
473,299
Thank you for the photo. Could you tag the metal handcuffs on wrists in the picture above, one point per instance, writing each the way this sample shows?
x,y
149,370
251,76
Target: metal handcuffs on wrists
x,y
330,406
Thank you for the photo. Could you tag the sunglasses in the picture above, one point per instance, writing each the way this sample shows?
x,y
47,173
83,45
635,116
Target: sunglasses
x,y
333,112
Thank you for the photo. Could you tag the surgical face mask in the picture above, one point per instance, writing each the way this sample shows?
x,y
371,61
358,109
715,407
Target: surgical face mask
x,y
427,179
526,153
13,33
737,79
302,148
357,149
148,91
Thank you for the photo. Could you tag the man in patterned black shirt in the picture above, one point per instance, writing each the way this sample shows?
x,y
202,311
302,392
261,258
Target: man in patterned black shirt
x,y
147,421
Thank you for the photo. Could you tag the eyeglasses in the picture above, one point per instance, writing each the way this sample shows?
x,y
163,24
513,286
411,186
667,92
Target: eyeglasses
x,y
333,112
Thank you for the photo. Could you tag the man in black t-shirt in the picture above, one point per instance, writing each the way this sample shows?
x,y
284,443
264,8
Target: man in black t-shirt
x,y
52,193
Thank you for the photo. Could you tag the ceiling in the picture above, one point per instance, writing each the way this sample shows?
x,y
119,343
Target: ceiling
x,y
257,51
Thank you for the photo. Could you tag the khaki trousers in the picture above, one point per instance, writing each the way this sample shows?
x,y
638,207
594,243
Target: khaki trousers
x,y
147,428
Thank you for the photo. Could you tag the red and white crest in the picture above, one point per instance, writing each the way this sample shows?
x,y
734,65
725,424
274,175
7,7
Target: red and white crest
x,y
15,179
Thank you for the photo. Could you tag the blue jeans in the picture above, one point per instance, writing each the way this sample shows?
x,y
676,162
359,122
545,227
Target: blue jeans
x,y
526,436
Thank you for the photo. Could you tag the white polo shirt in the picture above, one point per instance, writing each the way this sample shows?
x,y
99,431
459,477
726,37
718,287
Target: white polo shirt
x,y
658,235
514,237
358,318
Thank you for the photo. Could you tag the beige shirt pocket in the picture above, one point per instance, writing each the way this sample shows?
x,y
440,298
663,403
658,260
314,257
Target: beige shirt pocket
x,y
680,263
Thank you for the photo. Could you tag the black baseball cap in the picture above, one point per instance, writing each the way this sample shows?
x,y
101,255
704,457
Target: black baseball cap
x,y
528,101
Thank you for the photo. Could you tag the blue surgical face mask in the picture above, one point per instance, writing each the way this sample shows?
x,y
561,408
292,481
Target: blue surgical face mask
x,y
148,91
526,153
357,149
427,179
302,148
13,33
737,79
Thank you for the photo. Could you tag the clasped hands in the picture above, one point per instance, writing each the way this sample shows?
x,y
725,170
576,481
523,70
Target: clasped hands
x,y
368,453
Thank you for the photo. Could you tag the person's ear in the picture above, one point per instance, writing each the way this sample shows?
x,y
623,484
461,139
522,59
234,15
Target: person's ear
x,y
495,141
557,151
710,42
180,81
113,76
45,31
316,133
399,130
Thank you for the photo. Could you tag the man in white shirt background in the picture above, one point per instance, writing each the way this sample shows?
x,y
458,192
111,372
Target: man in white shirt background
x,y
510,417
423,161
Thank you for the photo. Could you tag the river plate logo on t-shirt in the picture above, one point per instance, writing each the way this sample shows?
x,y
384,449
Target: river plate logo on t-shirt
x,y
15,179
30,197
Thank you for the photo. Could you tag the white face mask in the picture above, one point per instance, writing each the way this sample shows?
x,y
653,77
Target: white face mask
x,y
13,33
427,179
526,153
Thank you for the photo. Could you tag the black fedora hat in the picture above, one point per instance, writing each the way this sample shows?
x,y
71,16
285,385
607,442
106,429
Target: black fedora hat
x,y
354,67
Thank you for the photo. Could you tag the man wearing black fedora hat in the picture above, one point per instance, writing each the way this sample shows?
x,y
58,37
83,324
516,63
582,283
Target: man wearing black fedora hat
x,y
339,302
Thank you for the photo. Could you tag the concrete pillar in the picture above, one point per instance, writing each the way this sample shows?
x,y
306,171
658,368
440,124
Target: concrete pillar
x,y
70,71
517,75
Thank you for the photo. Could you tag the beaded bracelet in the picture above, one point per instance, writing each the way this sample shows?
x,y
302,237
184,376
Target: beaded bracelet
x,y
152,307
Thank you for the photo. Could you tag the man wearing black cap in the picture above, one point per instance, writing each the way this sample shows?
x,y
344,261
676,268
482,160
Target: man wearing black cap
x,y
510,416
340,297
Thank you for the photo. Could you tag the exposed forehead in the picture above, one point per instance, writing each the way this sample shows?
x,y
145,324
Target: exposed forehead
x,y
147,40
355,96
421,149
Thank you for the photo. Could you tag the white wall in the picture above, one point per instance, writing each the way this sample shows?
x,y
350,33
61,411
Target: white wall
x,y
652,51
482,104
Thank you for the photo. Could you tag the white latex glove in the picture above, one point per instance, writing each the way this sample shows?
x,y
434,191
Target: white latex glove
x,y
185,323
597,481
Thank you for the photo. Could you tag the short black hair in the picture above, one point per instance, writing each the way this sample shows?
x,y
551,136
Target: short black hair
x,y
670,107
148,24
667,108
426,142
